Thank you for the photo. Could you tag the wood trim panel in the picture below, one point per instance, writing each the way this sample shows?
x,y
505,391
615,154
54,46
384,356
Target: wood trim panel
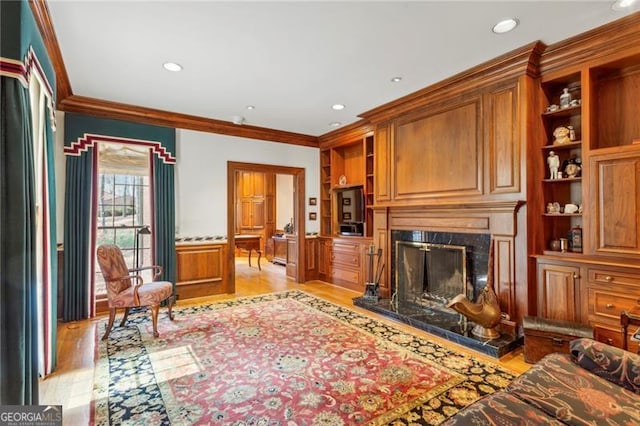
x,y
504,275
510,65
382,163
502,139
117,110
43,20
439,154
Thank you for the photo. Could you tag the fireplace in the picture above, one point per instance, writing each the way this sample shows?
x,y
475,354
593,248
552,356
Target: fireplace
x,y
431,274
429,269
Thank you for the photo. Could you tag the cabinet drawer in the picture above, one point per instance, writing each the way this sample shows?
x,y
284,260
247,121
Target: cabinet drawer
x,y
350,259
345,276
609,304
602,276
345,247
608,336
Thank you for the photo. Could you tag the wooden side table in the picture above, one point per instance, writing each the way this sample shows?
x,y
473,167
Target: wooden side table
x,y
630,317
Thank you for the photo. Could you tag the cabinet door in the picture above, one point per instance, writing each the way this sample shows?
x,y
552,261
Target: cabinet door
x,y
615,194
558,288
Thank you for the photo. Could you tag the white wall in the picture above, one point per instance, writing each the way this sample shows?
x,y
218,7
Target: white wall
x,y
201,176
284,200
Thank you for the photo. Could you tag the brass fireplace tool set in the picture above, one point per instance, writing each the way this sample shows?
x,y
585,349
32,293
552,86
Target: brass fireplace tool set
x,y
373,282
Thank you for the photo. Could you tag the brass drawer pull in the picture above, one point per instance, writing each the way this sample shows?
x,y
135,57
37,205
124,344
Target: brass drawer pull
x,y
608,278
610,341
557,342
609,306
576,276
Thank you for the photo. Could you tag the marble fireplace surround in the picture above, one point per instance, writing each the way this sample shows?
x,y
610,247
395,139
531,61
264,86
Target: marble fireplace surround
x,y
471,225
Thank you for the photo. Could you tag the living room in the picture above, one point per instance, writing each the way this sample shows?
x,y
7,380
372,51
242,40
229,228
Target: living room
x,y
415,183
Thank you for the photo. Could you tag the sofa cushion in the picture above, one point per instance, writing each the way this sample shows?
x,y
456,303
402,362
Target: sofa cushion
x,y
614,364
501,409
575,396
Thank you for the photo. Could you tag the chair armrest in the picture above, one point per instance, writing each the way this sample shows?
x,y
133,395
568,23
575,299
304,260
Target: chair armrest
x,y
613,364
157,268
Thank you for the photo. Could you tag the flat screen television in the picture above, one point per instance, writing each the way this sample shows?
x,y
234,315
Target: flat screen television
x,y
350,210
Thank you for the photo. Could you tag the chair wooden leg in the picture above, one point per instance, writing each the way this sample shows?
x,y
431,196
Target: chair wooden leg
x,y
124,319
170,306
154,319
112,316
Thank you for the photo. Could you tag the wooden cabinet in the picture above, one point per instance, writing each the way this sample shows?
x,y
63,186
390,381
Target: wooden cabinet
x,y
292,257
559,291
614,187
311,259
255,201
346,162
279,250
324,258
611,290
200,270
347,265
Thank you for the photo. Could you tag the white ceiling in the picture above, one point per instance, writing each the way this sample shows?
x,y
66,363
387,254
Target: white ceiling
x,y
292,60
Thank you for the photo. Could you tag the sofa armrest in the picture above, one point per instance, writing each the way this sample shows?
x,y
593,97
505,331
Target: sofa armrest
x,y
613,364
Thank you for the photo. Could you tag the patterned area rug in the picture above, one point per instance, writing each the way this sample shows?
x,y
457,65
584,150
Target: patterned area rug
x,y
280,359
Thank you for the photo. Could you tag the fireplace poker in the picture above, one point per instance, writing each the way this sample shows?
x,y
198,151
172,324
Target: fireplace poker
x,y
377,273
371,253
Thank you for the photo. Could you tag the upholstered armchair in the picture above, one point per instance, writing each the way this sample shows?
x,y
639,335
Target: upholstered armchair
x,y
126,289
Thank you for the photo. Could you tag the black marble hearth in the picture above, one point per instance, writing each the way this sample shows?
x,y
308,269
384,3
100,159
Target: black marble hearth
x,y
409,272
441,324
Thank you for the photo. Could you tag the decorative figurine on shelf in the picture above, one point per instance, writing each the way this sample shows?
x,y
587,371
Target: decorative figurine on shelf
x,y
565,98
561,135
571,169
554,163
572,133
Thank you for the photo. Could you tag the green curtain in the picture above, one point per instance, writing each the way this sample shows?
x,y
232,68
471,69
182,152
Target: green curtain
x,y
18,296
164,213
77,234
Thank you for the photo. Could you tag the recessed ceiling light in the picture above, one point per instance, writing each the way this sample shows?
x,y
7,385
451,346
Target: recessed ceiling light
x,y
335,124
251,107
172,66
623,4
338,107
396,79
505,26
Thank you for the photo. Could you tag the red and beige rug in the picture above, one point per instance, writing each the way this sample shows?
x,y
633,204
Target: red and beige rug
x,y
281,359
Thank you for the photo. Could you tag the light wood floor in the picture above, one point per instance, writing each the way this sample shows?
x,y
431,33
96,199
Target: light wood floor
x,y
71,385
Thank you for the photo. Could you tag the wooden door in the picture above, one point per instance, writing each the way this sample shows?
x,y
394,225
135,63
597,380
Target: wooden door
x,y
558,286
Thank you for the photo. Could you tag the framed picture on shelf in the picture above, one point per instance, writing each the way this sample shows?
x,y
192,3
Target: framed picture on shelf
x,y
313,201
313,215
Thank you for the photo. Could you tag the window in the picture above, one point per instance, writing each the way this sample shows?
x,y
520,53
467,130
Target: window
x,y
123,206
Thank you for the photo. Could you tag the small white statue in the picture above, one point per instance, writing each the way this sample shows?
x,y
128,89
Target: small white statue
x,y
554,163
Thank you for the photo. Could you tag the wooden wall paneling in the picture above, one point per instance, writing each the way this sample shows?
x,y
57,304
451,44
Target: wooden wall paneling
x,y
311,255
381,239
440,154
200,270
503,140
382,162
504,274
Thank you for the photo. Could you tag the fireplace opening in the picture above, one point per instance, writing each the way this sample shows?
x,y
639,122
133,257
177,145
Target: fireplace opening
x,y
430,274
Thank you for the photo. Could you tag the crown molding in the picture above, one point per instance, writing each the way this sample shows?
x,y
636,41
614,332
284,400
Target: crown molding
x,y
121,111
522,61
356,130
42,17
617,38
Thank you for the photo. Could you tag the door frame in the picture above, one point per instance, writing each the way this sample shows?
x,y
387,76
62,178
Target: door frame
x,y
298,213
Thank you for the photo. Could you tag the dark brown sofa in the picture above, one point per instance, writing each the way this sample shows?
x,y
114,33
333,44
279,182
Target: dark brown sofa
x,y
596,384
